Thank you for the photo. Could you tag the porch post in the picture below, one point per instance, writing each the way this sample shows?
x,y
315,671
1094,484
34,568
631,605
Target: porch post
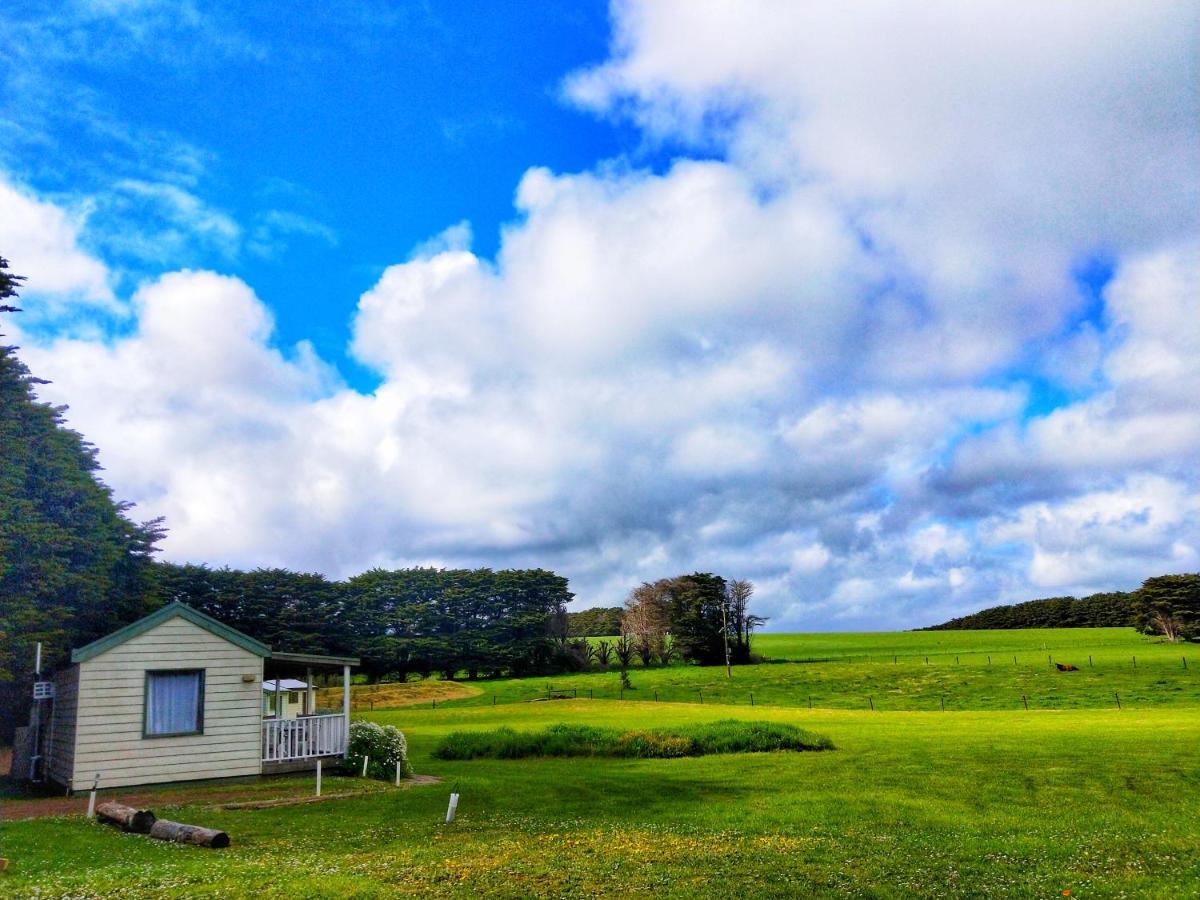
x,y
346,708
308,692
278,699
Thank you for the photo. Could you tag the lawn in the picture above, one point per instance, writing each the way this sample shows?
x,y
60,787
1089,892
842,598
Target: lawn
x,y
970,803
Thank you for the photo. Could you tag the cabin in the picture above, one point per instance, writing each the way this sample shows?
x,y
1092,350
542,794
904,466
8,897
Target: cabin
x,y
179,696
287,698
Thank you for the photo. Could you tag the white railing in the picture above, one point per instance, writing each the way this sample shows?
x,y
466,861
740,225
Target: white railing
x,y
303,738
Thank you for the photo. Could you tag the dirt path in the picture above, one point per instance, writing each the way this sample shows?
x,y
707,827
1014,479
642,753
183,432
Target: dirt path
x,y
41,807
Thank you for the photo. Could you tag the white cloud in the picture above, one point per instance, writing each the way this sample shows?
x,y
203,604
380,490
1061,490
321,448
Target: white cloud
x,y
41,239
801,361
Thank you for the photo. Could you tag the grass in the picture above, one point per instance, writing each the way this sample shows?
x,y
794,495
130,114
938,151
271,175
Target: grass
x,y
392,695
725,736
973,802
909,671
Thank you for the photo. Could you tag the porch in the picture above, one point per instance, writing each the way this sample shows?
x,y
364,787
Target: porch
x,y
293,741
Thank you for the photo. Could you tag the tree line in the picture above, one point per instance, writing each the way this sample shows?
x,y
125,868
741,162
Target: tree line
x,y
1165,604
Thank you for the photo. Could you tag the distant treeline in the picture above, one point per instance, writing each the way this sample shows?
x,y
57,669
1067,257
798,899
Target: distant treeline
x,y
1110,610
408,621
599,621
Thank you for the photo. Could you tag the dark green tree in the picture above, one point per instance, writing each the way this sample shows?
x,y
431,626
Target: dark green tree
x,y
695,607
73,566
1169,605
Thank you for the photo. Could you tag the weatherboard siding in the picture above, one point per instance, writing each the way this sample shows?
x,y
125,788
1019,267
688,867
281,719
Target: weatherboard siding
x,y
112,689
61,734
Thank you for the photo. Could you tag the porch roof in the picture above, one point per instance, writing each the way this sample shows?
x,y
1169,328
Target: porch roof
x,y
314,659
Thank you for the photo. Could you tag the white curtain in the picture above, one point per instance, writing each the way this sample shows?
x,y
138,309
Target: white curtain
x,y
172,702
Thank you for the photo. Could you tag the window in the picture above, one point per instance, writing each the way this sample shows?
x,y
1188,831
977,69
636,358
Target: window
x,y
174,702
293,696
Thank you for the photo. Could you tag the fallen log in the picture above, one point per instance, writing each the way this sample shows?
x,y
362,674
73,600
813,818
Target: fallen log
x,y
139,821
166,830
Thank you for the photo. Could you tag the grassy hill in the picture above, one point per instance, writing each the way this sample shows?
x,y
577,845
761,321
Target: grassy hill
x,y
984,799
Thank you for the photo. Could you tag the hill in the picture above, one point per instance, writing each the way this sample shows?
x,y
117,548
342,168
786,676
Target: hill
x,y
1110,610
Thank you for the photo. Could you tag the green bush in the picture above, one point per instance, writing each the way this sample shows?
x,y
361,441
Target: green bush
x,y
383,744
726,736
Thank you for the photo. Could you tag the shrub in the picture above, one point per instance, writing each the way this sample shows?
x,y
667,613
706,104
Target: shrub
x,y
384,744
726,736
655,745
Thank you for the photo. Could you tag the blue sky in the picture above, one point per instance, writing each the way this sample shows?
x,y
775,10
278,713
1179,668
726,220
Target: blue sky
x,y
895,313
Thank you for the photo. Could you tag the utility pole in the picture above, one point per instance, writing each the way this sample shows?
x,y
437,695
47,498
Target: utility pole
x,y
725,635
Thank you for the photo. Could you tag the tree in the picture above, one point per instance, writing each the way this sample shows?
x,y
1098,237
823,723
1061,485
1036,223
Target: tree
x,y
741,621
72,565
696,608
645,621
1169,605
599,621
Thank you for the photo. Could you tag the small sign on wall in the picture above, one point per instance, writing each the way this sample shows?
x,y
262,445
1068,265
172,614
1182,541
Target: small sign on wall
x,y
43,690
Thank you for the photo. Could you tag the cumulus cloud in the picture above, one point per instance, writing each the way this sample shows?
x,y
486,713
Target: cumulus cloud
x,y
44,238
804,359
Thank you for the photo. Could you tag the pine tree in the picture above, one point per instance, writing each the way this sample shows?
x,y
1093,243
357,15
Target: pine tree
x,y
72,564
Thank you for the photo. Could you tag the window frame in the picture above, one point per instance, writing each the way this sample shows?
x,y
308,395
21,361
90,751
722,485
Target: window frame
x,y
146,734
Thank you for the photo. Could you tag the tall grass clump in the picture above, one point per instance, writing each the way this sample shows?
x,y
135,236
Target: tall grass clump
x,y
725,736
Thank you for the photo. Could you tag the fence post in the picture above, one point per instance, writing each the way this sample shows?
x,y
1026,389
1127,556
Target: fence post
x,y
493,698
1049,661
1014,660
1089,660
318,776
752,698
366,759
943,699
1025,700
871,700
989,662
656,696
810,701
1118,696
1135,662
701,693
1184,658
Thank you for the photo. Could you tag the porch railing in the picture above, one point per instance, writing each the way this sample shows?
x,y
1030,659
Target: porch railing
x,y
303,738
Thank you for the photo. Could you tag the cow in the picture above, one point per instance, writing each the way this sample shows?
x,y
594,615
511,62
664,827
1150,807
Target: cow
x,y
1066,667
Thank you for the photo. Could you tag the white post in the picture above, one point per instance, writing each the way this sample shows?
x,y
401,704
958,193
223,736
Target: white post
x,y
366,759
318,777
309,696
91,813
397,773
452,808
346,707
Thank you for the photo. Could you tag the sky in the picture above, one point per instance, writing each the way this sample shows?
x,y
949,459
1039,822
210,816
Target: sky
x,y
892,309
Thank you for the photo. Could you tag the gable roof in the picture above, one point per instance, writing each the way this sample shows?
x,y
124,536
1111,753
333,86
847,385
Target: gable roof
x,y
170,611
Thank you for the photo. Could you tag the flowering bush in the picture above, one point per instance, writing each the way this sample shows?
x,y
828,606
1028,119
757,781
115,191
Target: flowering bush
x,y
383,744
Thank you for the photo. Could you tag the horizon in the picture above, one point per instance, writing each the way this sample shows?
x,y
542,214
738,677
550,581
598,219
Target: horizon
x,y
894,314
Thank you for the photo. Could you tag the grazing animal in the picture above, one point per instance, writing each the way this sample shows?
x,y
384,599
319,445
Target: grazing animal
x,y
1066,667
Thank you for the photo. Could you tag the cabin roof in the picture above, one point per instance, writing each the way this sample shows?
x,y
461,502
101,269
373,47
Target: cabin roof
x,y
170,611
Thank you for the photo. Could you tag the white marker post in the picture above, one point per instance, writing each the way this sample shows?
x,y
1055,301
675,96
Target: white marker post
x,y
91,814
318,777
366,759
397,773
452,808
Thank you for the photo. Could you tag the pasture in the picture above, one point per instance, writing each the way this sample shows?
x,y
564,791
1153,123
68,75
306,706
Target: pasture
x,y
972,802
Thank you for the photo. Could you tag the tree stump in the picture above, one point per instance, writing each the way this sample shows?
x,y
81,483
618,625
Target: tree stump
x,y
138,821
165,830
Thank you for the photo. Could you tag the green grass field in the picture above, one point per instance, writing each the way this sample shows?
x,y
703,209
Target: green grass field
x,y
972,802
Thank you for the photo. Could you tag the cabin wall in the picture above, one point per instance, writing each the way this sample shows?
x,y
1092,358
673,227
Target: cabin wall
x,y
60,729
112,686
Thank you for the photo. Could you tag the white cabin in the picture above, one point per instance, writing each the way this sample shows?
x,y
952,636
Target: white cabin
x,y
178,696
